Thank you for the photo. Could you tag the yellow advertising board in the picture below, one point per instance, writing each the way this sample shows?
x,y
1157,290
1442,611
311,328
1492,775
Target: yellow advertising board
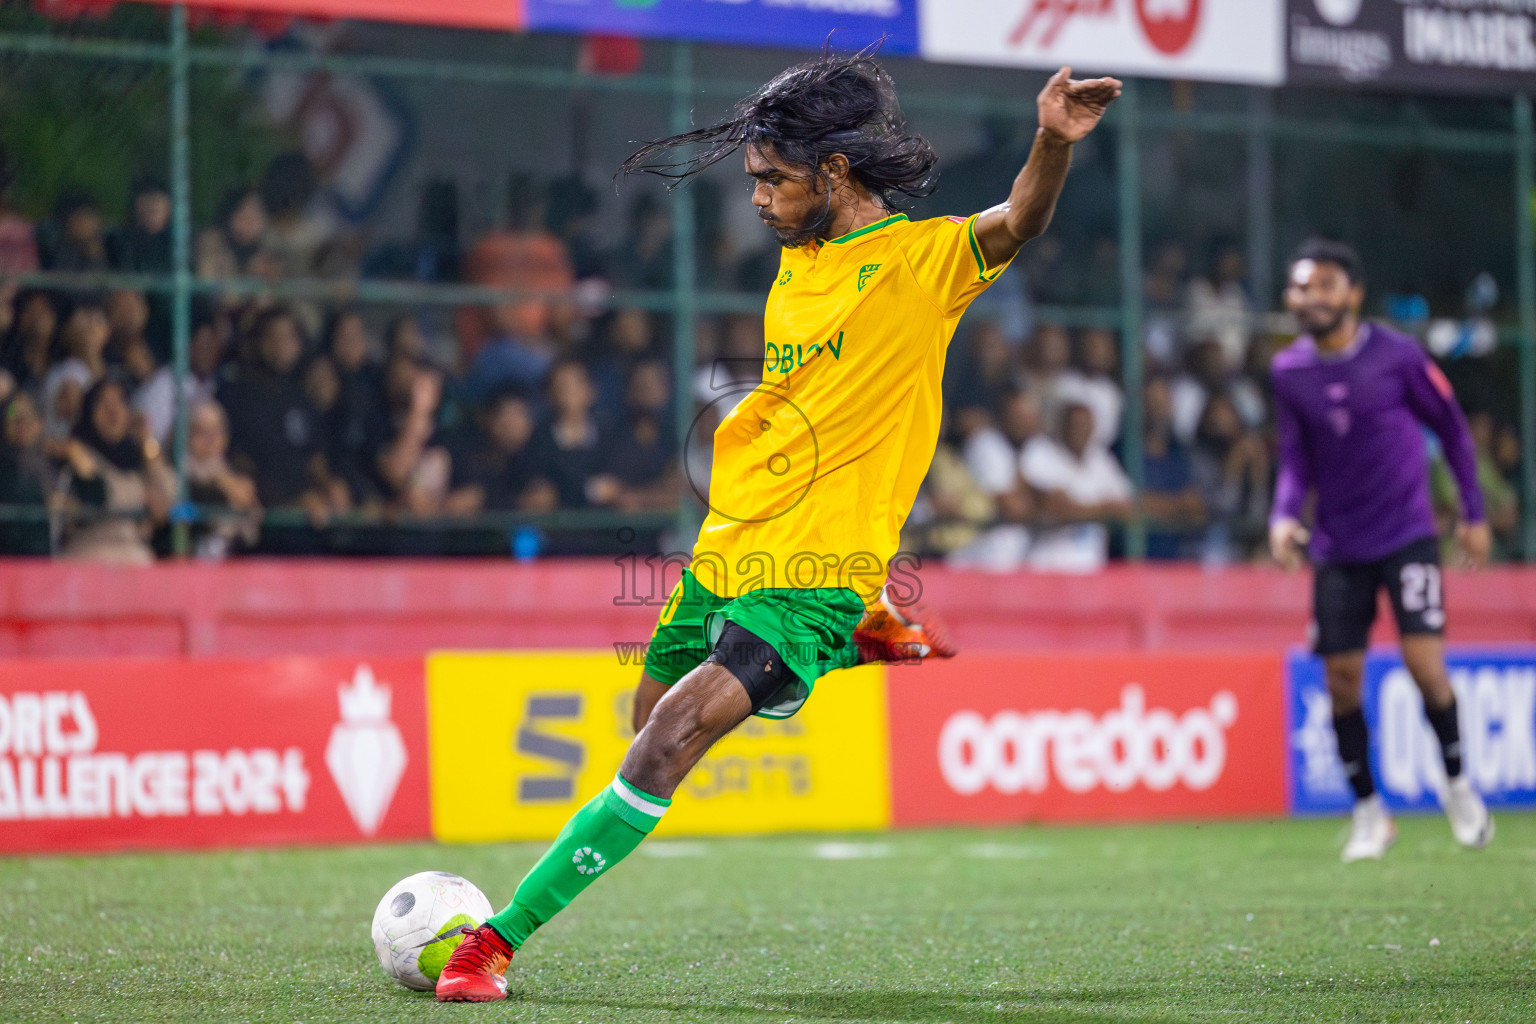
x,y
520,740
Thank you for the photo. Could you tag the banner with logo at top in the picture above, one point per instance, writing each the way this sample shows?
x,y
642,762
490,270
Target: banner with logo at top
x,y
183,753
496,15
1012,738
1496,696
853,24
1421,45
520,741
1213,40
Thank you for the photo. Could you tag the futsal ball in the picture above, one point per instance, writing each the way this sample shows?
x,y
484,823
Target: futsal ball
x,y
417,925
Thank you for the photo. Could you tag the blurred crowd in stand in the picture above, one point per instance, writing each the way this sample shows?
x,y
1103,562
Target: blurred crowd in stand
x,y
312,422
1031,470
341,415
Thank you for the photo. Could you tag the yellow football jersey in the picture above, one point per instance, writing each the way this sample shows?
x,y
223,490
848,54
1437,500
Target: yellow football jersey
x,y
816,469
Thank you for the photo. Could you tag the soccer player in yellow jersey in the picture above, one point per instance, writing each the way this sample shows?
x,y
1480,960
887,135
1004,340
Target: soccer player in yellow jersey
x,y
815,470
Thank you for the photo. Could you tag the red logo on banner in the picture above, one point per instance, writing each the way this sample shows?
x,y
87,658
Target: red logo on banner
x,y
176,753
1169,24
1045,19
1013,738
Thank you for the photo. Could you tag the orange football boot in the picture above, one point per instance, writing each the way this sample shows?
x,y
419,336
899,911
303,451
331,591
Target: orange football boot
x,y
476,970
902,633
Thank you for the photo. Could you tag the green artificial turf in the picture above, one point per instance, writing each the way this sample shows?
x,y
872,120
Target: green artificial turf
x,y
1253,921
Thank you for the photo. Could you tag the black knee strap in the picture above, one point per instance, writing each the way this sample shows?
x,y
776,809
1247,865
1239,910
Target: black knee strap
x,y
754,663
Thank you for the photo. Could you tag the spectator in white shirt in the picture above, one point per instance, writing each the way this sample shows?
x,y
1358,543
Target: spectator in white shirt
x,y
1080,484
1219,306
992,456
154,390
1095,382
1207,375
154,393
1049,361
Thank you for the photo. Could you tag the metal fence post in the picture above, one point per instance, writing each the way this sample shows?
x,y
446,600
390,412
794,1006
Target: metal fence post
x,y
1261,189
1128,173
1525,267
181,231
684,285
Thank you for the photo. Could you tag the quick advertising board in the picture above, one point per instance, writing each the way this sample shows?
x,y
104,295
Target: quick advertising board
x,y
1496,695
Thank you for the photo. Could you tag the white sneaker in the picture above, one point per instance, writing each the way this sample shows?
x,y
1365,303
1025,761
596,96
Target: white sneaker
x,y
1471,823
1373,831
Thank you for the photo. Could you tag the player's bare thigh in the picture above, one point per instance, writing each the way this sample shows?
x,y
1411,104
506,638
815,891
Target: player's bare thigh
x,y
695,712
646,695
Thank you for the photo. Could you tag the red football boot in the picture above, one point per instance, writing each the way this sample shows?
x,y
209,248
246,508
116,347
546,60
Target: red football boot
x,y
902,633
476,970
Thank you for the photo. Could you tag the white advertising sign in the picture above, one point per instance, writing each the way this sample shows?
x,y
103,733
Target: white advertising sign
x,y
1212,40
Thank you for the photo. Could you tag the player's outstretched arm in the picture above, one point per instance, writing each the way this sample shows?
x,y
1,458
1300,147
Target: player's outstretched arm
x,y
1434,402
1069,110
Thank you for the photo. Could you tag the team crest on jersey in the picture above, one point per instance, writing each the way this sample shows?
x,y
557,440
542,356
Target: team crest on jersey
x,y
784,277
866,272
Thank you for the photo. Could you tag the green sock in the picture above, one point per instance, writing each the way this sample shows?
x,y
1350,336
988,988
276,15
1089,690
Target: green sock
x,y
600,835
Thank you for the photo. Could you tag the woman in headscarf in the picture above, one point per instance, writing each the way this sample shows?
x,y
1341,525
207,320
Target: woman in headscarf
x,y
228,498
117,486
234,245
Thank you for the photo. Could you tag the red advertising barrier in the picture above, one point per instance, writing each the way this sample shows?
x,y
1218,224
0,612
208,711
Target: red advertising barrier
x,y
1008,738
213,752
403,607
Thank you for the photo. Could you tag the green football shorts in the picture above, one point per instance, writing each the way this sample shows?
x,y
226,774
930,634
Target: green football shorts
x,y
811,629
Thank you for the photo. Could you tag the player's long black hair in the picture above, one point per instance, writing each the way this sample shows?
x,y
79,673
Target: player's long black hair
x,y
806,114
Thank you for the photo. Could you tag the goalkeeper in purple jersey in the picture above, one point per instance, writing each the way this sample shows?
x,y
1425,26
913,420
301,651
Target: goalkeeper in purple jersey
x,y
1352,400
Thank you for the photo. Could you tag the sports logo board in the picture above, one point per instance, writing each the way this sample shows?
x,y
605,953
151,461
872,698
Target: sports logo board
x,y
521,740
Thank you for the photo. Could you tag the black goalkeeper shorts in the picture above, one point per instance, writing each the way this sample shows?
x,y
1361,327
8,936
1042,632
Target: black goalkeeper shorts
x,y
1344,597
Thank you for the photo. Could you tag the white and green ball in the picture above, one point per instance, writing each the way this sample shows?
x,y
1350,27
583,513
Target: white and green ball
x,y
417,925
